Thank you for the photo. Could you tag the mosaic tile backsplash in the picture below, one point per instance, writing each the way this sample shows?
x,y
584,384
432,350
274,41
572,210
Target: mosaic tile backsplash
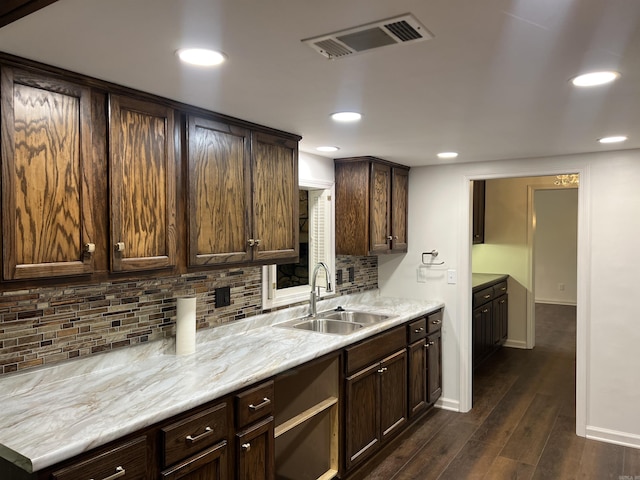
x,y
48,325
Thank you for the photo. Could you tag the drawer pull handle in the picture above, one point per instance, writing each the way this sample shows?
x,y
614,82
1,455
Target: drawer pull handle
x,y
488,295
485,310
382,370
418,330
246,447
191,439
264,403
436,322
120,472
503,288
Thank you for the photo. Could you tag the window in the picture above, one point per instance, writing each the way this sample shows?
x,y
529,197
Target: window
x,y
290,283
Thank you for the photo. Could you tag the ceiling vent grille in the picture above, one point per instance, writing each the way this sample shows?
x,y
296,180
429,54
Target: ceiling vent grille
x,y
391,31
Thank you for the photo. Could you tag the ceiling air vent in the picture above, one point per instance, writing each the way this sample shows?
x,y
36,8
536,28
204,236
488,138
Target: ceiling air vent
x,y
403,29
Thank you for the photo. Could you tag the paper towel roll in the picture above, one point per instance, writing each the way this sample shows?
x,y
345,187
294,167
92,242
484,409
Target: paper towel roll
x,y
185,325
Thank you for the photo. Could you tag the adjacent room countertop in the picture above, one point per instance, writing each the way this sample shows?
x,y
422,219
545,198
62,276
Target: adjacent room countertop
x,y
478,280
54,413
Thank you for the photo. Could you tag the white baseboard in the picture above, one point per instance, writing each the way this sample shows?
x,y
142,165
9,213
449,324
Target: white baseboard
x,y
555,302
612,436
447,404
515,344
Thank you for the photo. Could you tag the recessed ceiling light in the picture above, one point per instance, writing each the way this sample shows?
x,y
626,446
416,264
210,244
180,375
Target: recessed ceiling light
x,y
594,78
201,56
327,148
447,154
614,139
346,116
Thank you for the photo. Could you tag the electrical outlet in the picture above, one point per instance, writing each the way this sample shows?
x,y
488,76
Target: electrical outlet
x,y
339,277
452,277
561,287
352,274
223,297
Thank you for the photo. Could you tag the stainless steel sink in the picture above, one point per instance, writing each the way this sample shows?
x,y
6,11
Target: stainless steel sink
x,y
353,316
325,325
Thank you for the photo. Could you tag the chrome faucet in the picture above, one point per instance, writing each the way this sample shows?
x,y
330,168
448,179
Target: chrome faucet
x,y
314,296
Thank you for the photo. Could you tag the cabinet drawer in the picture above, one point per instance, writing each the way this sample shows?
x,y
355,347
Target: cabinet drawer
x,y
196,432
434,321
127,461
499,289
374,349
482,297
417,330
254,404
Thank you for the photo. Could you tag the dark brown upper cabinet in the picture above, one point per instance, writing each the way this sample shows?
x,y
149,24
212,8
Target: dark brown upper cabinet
x,y
371,206
219,192
243,194
47,222
142,184
12,10
478,211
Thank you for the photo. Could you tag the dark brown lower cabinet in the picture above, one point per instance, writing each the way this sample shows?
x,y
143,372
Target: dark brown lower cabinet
x,y
434,366
210,464
127,461
255,453
417,377
375,405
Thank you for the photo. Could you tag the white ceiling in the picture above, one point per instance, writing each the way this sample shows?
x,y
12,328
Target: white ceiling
x,y
492,84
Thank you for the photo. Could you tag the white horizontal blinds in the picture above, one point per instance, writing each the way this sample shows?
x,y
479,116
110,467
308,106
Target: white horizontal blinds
x,y
319,241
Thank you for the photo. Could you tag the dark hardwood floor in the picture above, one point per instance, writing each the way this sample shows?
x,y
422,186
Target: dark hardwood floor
x,y
522,424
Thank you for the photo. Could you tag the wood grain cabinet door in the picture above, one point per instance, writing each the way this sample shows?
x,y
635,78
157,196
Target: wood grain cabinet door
x,y
362,414
219,192
417,389
434,366
380,226
142,184
46,145
255,452
210,464
275,198
393,394
399,209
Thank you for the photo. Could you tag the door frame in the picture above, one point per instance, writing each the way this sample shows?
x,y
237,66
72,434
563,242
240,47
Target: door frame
x,y
583,286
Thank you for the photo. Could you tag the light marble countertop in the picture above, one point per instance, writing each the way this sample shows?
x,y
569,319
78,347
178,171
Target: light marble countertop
x,y
480,279
54,413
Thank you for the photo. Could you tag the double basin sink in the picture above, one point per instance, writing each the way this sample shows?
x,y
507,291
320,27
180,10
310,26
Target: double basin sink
x,y
338,322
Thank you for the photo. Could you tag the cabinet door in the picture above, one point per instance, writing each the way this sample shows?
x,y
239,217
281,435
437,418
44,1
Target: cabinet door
x,y
255,453
417,377
501,319
46,181
143,184
379,223
362,414
393,393
399,209
434,366
478,211
211,464
275,198
352,208
219,192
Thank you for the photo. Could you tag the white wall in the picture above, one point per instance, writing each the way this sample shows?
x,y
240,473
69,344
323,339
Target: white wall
x,y
315,168
555,244
608,259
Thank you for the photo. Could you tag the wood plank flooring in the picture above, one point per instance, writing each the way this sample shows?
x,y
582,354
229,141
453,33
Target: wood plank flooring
x,y
522,425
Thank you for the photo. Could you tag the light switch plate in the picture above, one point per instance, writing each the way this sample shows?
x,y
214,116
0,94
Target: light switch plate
x,y
452,277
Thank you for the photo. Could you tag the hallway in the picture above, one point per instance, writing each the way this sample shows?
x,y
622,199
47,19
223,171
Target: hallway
x,y
522,425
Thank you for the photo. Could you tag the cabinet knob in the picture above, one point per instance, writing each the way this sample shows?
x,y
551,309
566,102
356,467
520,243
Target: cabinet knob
x,y
246,447
119,247
395,237
257,242
390,237
89,247
252,242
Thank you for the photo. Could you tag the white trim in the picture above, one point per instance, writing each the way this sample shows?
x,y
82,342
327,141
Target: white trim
x,y
612,436
447,404
583,287
549,301
516,344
